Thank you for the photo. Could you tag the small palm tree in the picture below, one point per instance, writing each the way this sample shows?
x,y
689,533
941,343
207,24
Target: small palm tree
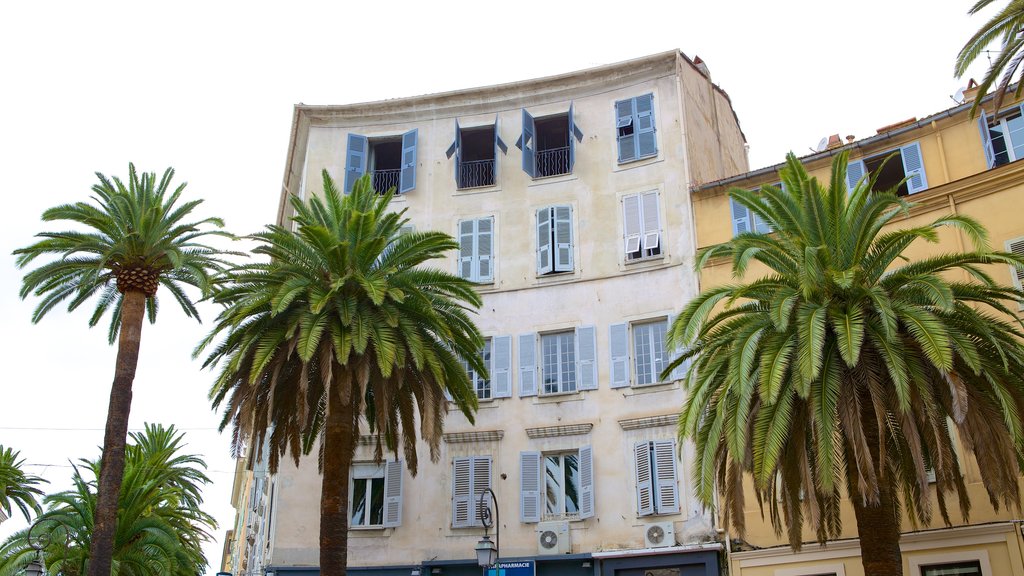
x,y
345,322
17,487
134,239
836,372
1007,26
160,526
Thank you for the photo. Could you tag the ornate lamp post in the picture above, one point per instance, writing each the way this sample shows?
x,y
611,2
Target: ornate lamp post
x,y
487,551
40,541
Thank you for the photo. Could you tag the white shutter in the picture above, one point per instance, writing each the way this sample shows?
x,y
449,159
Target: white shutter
x,y
544,244
913,168
527,364
667,488
631,224
462,492
501,371
586,463
986,140
586,357
484,248
563,238
1017,247
855,170
393,494
529,486
644,492
481,480
619,354
740,218
652,221
467,248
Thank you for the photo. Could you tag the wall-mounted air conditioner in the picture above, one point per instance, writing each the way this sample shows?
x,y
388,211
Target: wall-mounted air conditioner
x,y
659,535
553,538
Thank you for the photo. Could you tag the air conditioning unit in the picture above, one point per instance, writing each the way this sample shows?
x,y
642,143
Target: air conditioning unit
x,y
659,535
553,538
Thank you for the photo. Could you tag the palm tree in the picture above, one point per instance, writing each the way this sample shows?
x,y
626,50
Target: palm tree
x,y
1006,26
160,526
345,322
835,373
136,238
16,486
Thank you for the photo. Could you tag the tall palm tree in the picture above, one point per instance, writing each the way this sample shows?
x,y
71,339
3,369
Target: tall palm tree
x,y
16,486
160,528
346,322
133,238
834,374
1006,26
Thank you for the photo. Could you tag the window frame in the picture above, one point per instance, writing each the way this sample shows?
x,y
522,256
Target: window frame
x,y
562,496
475,379
551,248
635,121
476,467
663,492
623,372
560,337
999,121
475,257
366,471
910,154
652,371
533,485
647,230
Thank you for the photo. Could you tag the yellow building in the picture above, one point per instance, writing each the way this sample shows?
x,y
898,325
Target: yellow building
x,y
570,198
955,165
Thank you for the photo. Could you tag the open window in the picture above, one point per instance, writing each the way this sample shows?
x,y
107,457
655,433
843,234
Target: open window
x,y
641,226
476,155
566,361
390,160
890,168
548,144
556,485
1002,136
634,125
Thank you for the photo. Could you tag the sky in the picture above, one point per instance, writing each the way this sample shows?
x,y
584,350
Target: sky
x,y
208,88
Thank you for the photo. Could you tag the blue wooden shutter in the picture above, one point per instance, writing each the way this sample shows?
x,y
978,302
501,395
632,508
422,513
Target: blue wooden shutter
x,y
458,154
574,131
644,486
480,480
651,220
484,250
624,117
355,160
498,145
986,140
528,364
913,168
529,145
529,487
586,357
618,350
462,492
407,177
646,143
740,218
632,225
563,238
392,494
666,486
586,463
467,248
855,170
545,248
501,371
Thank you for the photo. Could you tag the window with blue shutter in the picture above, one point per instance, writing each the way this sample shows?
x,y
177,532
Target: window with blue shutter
x,y
481,382
657,486
470,476
1003,136
855,171
476,250
547,144
407,176
554,240
745,220
635,128
390,161
641,225
476,155
901,170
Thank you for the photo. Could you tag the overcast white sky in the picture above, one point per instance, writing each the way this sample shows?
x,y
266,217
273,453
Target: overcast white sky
x,y
208,88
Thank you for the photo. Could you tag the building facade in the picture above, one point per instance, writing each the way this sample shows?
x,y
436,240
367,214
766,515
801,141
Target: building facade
x,y
953,165
570,199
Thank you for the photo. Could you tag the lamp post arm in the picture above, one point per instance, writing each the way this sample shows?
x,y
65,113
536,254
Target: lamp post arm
x,y
487,521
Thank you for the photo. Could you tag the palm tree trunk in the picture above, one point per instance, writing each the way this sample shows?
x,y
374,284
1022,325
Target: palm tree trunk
x,y
101,551
878,529
339,443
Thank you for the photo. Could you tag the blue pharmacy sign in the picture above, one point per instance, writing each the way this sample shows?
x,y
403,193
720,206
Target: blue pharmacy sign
x,y
521,568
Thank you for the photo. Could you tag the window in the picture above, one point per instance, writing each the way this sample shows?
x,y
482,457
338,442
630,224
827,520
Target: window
x,y
547,144
476,249
391,161
481,384
969,568
657,491
744,220
375,495
470,476
476,155
649,353
1002,136
567,361
497,356
556,485
641,226
890,168
634,124
554,240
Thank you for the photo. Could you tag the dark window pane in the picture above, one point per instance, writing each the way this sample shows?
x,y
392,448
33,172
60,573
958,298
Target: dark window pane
x,y
970,568
358,502
572,483
553,484
377,502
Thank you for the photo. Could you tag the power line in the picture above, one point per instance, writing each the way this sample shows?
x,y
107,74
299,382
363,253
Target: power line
x,y
54,429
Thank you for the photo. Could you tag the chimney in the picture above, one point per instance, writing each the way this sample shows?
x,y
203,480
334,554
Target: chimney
x,y
702,67
834,141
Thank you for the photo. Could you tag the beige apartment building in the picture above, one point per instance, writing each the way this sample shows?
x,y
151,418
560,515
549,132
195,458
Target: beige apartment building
x,y
953,164
570,198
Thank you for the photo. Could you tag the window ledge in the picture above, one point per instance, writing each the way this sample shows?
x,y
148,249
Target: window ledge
x,y
558,178
477,190
648,261
558,397
645,161
557,277
561,517
638,389
370,531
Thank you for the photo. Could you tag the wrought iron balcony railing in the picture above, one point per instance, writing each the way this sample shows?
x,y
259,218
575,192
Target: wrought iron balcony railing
x,y
476,173
384,180
552,162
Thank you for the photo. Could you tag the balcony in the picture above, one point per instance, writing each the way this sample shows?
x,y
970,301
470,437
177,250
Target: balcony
x,y
552,162
384,180
476,173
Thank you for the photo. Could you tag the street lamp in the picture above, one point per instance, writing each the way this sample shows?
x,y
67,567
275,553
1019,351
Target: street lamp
x,y
37,567
486,550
